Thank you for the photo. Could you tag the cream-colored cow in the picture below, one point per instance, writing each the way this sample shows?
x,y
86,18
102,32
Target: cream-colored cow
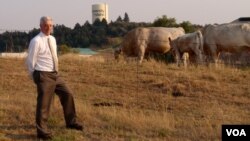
x,y
231,37
191,43
139,41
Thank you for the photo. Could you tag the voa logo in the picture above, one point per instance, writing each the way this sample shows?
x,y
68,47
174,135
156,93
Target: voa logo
x,y
236,132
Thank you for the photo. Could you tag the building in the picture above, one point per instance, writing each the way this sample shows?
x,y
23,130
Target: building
x,y
99,11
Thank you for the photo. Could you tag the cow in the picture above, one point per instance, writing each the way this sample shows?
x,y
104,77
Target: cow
x,y
191,43
142,40
230,37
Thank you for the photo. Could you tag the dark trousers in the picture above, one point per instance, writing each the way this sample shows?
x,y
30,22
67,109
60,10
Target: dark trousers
x,y
49,83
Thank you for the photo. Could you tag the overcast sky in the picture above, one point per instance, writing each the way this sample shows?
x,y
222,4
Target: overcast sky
x,y
25,14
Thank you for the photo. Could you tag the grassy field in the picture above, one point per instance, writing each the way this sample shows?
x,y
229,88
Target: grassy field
x,y
127,102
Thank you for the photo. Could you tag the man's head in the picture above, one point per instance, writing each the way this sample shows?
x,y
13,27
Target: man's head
x,y
46,25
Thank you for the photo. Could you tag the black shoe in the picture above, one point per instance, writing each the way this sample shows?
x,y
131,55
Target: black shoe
x,y
44,137
75,126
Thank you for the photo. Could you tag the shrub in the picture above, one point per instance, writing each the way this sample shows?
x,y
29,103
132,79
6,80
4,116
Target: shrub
x,y
64,49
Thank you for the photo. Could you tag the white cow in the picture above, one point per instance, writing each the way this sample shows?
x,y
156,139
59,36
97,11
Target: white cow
x,y
231,37
191,43
141,40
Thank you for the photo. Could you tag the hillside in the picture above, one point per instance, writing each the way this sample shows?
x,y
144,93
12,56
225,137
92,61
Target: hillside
x,y
126,101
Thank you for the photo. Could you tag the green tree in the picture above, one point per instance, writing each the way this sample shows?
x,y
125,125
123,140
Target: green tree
x,y
119,19
97,22
87,25
126,18
99,32
62,34
104,22
77,26
187,26
164,21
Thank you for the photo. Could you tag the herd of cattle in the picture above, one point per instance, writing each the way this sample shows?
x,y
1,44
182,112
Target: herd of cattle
x,y
203,45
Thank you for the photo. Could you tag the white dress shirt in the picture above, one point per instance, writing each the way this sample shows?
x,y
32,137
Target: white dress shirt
x,y
39,54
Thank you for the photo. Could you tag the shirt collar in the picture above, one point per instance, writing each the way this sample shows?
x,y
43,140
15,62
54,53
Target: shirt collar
x,y
43,35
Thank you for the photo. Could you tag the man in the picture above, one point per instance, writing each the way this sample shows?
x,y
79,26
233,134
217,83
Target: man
x,y
42,64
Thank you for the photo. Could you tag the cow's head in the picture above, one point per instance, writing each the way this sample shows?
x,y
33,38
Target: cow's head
x,y
172,45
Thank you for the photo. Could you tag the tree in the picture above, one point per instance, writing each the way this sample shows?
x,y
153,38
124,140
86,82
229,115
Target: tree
x,y
87,25
97,22
126,18
104,22
119,19
99,32
9,41
62,34
77,26
164,21
187,26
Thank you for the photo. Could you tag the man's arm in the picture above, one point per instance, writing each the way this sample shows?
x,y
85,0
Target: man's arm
x,y
32,57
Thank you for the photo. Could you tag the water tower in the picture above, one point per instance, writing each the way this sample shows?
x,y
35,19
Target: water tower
x,y
99,11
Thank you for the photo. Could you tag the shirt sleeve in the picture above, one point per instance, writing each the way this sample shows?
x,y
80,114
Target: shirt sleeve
x,y
32,57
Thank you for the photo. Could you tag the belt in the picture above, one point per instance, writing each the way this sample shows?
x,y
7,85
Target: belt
x,y
55,72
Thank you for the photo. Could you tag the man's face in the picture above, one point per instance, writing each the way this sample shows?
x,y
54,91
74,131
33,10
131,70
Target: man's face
x,y
47,27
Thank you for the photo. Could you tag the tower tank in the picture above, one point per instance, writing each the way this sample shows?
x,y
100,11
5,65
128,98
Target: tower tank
x,y
99,11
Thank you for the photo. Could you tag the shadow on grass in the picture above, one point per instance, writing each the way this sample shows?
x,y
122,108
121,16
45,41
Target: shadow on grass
x,y
15,127
21,136
9,132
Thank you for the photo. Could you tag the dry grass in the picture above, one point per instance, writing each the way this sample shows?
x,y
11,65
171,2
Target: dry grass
x,y
127,101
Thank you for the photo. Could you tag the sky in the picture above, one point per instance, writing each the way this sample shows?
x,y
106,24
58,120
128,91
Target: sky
x,y
25,14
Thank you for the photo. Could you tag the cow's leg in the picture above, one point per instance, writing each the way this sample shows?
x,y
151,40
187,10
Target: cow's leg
x,y
185,57
177,57
141,52
214,55
216,58
198,57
